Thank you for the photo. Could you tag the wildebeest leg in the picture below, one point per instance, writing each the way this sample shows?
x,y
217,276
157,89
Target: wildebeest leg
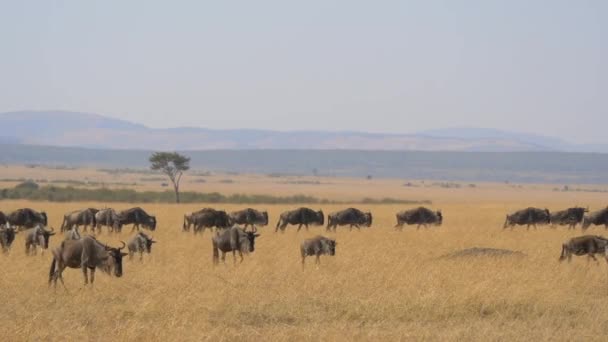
x,y
130,255
141,255
85,272
300,227
318,259
350,229
92,275
306,225
223,257
241,255
61,278
304,258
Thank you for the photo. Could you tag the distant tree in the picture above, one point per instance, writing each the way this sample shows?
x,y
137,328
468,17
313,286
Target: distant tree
x,y
171,164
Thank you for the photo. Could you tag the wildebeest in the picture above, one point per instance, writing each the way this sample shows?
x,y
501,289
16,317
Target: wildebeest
x,y
73,234
351,216
7,236
109,218
596,218
27,218
233,240
3,218
84,217
570,217
86,253
420,216
317,246
301,217
529,216
37,237
249,217
140,243
137,216
587,244
207,218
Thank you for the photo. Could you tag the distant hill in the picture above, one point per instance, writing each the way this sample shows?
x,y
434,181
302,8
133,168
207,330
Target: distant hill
x,y
60,128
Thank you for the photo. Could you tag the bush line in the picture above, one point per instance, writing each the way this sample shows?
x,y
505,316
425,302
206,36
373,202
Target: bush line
x,y
71,194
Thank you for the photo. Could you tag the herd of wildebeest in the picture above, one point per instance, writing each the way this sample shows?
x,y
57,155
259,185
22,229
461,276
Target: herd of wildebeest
x,y
236,232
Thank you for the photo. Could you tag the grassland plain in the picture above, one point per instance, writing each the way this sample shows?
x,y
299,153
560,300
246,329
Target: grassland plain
x,y
382,284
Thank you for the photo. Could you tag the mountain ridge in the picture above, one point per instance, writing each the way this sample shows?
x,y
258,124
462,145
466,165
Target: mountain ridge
x,y
69,128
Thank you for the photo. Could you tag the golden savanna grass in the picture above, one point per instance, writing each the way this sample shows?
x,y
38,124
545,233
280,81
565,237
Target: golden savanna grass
x,y
382,284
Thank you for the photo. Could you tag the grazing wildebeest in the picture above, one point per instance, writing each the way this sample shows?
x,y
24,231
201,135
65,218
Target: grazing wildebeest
x,y
570,217
3,218
317,246
37,237
27,218
587,244
597,218
7,236
420,216
249,217
109,218
78,218
189,218
351,216
73,234
233,240
529,216
301,217
86,253
137,216
207,218
140,243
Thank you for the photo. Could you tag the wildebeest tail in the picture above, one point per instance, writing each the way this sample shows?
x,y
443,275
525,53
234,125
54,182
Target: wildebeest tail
x,y
63,224
506,222
52,271
564,252
216,254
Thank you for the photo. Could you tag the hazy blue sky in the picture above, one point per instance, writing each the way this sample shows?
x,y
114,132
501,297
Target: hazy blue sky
x,y
385,66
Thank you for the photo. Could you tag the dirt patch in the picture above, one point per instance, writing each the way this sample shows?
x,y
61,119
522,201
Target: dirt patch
x,y
482,252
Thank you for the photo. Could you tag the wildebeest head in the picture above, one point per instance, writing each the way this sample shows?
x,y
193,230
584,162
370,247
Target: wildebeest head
x,y
115,260
7,236
43,236
368,219
265,217
251,241
507,221
152,223
148,242
320,217
44,218
586,222
439,218
329,246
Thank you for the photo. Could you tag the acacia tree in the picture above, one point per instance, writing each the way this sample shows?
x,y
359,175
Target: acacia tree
x,y
171,164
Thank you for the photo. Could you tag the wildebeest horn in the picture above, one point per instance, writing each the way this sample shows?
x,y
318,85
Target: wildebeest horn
x,y
123,245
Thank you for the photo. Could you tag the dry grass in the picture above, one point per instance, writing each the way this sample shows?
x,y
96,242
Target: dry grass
x,y
382,283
